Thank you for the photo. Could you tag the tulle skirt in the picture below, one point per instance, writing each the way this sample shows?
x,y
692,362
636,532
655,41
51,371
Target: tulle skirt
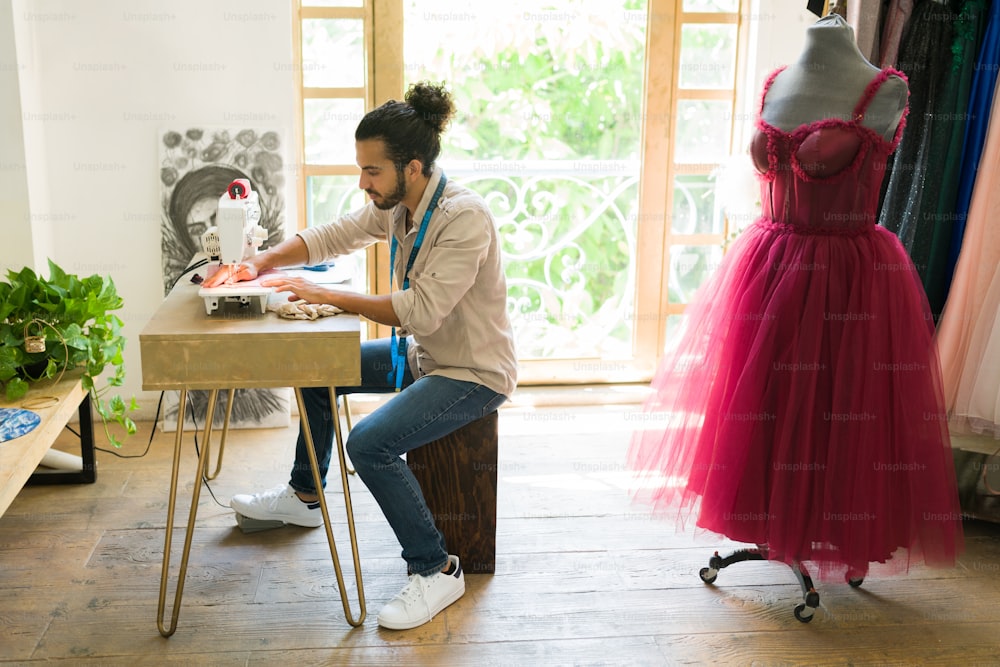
x,y
801,407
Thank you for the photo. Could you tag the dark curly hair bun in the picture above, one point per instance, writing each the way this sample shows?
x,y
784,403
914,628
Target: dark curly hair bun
x,y
432,102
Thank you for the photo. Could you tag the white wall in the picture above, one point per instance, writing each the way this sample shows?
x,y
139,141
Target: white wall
x,y
99,81
781,34
15,216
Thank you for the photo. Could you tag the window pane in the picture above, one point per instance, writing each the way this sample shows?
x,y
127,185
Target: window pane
x,y
695,209
703,129
711,5
689,267
548,129
569,242
329,197
560,81
333,53
675,326
708,56
329,130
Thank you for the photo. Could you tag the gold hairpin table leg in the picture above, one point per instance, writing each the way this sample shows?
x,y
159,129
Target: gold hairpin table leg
x,y
347,418
192,516
222,439
307,433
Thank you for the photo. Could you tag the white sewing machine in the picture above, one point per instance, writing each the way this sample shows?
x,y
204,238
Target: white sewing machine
x,y
235,238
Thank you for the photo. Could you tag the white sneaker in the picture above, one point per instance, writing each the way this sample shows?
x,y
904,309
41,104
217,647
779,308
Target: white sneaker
x,y
422,598
278,504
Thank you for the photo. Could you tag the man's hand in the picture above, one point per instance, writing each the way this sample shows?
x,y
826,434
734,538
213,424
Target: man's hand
x,y
228,274
375,308
290,252
300,288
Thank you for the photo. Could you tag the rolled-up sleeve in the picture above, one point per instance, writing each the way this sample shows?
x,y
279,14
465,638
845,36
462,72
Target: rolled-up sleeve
x,y
450,268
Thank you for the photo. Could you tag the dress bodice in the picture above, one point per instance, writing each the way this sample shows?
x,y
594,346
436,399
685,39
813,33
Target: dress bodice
x,y
823,177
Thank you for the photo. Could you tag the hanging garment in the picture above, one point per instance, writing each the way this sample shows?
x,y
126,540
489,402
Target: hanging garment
x,y
897,15
969,334
864,17
977,120
909,207
953,114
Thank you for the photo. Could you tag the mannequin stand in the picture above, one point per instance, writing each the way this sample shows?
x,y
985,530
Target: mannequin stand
x,y
805,610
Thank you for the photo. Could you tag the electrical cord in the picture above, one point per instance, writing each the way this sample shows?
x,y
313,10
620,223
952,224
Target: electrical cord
x,y
159,404
204,478
159,407
192,267
152,432
156,420
194,419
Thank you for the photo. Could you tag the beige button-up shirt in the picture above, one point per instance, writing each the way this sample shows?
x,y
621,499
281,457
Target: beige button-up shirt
x,y
455,309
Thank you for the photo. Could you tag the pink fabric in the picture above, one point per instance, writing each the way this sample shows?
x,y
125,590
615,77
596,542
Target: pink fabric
x,y
896,17
969,333
802,404
863,15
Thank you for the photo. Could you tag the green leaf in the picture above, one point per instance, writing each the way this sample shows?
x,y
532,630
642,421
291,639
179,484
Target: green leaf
x,y
56,274
16,389
10,355
75,337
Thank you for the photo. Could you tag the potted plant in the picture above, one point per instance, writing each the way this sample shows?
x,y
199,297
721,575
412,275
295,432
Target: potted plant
x,y
55,325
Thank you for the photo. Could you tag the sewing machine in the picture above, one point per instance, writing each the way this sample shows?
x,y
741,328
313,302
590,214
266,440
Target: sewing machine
x,y
235,238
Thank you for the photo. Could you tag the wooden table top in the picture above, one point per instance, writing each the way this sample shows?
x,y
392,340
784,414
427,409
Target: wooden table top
x,y
184,347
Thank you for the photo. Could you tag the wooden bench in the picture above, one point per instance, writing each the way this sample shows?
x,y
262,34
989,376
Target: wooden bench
x,y
19,457
458,475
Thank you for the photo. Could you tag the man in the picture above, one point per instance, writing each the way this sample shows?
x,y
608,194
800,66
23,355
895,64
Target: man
x,y
454,358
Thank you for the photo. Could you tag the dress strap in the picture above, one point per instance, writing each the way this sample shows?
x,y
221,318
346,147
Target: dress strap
x,y
861,108
767,86
772,133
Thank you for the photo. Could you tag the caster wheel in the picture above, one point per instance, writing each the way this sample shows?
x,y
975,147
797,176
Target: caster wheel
x,y
803,613
855,583
708,575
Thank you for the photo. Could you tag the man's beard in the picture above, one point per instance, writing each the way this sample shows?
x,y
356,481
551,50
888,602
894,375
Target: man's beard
x,y
393,198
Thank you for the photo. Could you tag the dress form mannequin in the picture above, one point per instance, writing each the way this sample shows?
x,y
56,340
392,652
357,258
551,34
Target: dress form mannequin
x,y
828,80
815,351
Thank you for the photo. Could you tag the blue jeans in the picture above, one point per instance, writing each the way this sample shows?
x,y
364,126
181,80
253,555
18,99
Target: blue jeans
x,y
425,410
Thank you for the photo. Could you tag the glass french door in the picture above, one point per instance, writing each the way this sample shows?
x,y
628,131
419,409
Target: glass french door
x,y
594,129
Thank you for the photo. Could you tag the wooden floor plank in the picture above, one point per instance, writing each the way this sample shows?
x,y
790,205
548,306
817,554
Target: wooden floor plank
x,y
969,645
584,575
640,651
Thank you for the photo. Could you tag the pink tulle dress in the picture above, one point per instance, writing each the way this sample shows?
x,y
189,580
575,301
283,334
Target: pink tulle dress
x,y
801,408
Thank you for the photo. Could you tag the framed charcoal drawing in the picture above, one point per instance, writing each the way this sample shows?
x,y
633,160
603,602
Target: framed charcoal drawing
x,y
197,165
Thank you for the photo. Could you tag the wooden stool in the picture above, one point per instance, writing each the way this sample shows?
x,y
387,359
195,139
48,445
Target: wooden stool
x,y
458,475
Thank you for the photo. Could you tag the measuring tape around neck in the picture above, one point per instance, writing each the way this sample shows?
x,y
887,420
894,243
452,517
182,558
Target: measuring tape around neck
x,y
398,347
